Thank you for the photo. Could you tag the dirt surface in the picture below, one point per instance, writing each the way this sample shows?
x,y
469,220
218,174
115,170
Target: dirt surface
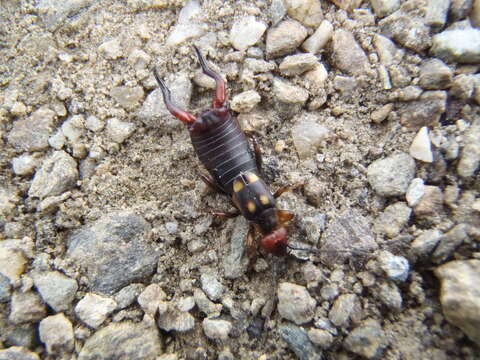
x,y
152,173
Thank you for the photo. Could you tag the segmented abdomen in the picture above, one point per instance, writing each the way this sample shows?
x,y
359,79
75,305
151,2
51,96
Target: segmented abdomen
x,y
224,151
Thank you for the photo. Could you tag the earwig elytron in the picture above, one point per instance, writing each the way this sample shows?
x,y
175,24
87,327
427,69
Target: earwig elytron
x,y
223,148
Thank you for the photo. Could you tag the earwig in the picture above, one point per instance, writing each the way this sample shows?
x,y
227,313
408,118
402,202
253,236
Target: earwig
x,y
234,168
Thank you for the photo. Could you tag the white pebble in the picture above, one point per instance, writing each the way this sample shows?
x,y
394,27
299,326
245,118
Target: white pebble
x,y
421,148
319,38
415,191
246,32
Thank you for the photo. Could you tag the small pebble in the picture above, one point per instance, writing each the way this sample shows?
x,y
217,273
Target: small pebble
x,y
395,267
424,244
367,340
392,175
118,131
246,32
26,307
56,289
393,219
462,46
245,101
94,309
216,329
421,148
346,308
297,64
308,12
307,136
56,332
150,299
431,203
384,8
295,303
415,191
347,55
320,338
284,38
211,286
435,75
319,38
389,294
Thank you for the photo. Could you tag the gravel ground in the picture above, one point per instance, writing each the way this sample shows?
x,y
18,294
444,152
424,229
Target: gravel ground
x,y
108,249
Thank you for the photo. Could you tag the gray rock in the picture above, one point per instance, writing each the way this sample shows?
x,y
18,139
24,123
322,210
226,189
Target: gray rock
x,y
277,10
392,175
216,329
431,203
425,111
153,112
245,32
297,340
407,29
393,219
32,134
94,124
308,12
54,13
206,306
111,49
462,46
346,308
17,353
470,156
284,38
347,55
25,307
349,231
319,38
245,101
58,174
321,338
459,295
424,244
56,332
56,289
25,335
313,225
186,304
94,309
459,9
233,265
367,340
127,296
172,319
298,64
114,251
123,341
211,286
434,75
389,294
395,267
384,8
463,86
449,242
5,289
436,13
295,303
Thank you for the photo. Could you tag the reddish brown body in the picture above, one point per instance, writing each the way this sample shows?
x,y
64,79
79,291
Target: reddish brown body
x,y
224,150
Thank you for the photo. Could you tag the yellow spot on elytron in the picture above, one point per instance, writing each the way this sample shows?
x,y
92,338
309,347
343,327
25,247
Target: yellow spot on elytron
x,y
251,177
264,199
251,206
237,185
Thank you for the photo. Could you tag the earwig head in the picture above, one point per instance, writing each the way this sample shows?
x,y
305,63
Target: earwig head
x,y
276,242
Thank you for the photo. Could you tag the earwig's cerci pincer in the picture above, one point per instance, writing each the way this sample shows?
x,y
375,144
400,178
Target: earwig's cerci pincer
x,y
223,148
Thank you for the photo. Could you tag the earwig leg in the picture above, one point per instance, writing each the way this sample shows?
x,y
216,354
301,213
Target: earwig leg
x,y
220,93
210,182
180,114
227,215
256,148
286,188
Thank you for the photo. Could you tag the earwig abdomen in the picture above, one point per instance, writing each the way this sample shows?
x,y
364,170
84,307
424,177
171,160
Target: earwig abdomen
x,y
223,149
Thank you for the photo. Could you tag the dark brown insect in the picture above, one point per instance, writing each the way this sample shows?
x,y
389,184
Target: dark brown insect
x,y
223,148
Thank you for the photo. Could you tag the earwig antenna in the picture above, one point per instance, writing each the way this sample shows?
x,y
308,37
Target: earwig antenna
x,y
320,251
